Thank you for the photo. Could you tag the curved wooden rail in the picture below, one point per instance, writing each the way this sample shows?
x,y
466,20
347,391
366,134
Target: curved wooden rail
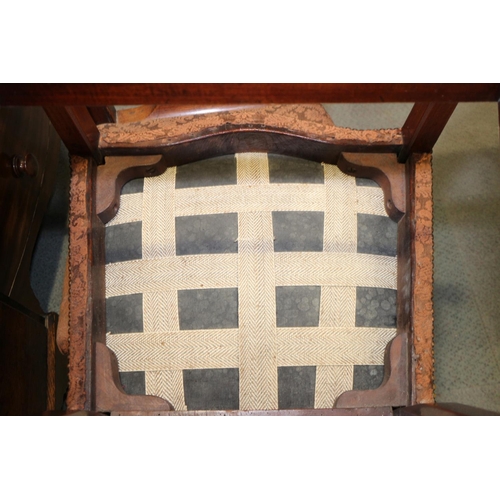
x,y
300,130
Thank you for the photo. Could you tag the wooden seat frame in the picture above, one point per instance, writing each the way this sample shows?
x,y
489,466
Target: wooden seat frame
x,y
399,160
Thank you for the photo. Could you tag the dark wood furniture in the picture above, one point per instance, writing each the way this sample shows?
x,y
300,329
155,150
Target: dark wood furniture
x,y
29,151
400,162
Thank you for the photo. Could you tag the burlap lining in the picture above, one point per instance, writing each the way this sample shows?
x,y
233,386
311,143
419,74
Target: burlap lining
x,y
257,347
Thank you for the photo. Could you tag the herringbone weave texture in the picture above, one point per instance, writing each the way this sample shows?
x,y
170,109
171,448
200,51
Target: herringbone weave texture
x,y
257,347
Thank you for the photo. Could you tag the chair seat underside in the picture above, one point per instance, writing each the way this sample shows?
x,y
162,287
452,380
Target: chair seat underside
x,y
251,282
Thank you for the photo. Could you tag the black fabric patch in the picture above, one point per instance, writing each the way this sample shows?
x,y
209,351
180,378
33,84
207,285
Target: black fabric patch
x,y
206,234
220,171
212,389
377,235
367,377
298,231
124,314
134,186
296,387
208,309
297,306
285,169
133,382
361,181
376,307
123,242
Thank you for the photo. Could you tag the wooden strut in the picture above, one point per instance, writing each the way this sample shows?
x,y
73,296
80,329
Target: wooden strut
x,y
102,114
105,94
77,129
423,127
381,411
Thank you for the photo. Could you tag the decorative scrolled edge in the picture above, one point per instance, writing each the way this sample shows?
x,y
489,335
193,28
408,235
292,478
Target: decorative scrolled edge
x,y
115,173
109,394
385,170
394,390
304,120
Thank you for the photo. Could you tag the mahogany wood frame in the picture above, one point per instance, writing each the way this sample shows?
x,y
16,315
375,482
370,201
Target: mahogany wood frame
x,y
76,110
94,382
105,94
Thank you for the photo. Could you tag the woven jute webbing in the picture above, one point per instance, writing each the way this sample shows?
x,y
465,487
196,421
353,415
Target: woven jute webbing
x,y
257,347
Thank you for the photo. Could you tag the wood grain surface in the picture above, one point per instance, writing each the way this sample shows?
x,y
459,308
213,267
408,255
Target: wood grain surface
x,y
104,94
24,199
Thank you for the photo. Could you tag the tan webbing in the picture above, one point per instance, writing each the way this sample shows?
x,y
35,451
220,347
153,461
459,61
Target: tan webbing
x,y
257,347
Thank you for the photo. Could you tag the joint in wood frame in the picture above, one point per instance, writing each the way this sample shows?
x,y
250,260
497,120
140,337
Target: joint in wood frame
x,y
115,173
77,129
110,396
394,390
102,114
423,127
385,170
